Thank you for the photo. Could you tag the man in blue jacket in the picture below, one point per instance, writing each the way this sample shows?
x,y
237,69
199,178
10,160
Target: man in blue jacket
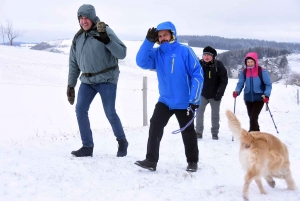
x,y
95,52
180,80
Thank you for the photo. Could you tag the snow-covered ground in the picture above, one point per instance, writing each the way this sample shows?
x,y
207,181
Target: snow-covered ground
x,y
294,62
39,130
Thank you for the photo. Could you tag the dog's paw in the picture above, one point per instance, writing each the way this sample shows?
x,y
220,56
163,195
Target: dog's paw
x,y
293,187
271,183
245,197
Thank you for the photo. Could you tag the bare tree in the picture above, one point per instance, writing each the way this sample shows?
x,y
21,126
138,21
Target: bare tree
x,y
11,33
2,32
266,63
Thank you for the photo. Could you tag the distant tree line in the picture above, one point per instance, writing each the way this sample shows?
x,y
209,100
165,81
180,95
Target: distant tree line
x,y
218,42
236,57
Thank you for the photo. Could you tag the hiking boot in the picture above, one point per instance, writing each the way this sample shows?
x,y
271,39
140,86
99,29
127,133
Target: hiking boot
x,y
199,135
122,149
149,165
215,136
83,151
192,167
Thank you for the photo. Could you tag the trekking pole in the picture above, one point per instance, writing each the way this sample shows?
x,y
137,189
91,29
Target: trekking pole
x,y
272,117
270,114
234,113
234,105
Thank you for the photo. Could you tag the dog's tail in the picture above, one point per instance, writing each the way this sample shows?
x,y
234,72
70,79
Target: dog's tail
x,y
235,125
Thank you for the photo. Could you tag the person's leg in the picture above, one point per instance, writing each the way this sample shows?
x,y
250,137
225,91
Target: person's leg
x,y
188,136
86,95
215,117
257,107
158,121
107,93
200,116
249,106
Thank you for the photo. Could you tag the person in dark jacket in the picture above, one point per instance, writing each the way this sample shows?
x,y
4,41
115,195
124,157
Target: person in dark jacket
x,y
257,90
215,82
95,52
179,82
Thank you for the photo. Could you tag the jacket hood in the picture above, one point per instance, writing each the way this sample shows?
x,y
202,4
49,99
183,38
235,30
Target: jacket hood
x,y
167,26
88,11
253,56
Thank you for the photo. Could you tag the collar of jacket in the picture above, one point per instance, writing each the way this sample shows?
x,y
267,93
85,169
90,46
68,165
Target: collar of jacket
x,y
208,64
92,31
168,46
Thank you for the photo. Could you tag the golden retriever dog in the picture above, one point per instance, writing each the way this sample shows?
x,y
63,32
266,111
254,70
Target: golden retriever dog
x,y
261,155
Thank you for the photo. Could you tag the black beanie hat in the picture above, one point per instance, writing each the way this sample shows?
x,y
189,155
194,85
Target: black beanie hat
x,y
210,50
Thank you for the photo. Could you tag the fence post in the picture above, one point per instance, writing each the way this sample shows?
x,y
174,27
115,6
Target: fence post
x,y
145,115
297,96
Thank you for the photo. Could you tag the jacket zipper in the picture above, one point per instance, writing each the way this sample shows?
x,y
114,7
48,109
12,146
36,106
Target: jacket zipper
x,y
172,65
251,84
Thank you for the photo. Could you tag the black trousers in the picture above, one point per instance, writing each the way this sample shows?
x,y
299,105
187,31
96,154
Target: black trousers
x,y
159,120
253,109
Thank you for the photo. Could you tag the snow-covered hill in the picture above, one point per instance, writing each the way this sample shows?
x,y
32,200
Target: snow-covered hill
x,y
56,46
39,130
294,62
63,47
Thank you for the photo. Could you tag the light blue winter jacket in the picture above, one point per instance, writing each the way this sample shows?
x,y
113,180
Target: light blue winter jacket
x,y
89,55
179,73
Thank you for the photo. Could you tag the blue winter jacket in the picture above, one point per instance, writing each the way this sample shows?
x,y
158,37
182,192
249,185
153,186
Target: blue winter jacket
x,y
179,73
254,87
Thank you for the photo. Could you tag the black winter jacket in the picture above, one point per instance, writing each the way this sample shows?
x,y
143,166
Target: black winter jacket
x,y
215,80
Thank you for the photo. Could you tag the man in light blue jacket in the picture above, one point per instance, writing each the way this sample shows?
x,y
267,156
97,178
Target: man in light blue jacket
x,y
180,81
95,52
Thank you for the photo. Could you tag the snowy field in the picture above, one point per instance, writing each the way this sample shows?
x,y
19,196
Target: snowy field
x,y
294,62
39,130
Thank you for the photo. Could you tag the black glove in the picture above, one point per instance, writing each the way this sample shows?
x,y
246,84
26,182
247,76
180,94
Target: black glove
x,y
152,35
71,94
101,28
193,106
103,38
217,97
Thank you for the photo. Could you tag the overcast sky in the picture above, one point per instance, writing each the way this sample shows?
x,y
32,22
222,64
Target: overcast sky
x,y
275,20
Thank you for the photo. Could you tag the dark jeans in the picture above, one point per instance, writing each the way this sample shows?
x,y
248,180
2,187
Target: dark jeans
x,y
253,109
159,120
86,94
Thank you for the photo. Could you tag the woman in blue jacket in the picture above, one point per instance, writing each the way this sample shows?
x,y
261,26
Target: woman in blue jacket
x,y
257,88
180,80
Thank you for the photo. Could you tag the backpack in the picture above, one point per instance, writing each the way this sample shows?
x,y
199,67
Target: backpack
x,y
76,35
